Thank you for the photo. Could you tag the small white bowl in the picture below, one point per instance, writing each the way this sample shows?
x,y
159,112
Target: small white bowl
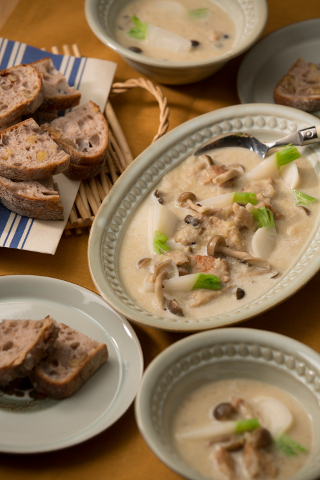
x,y
249,17
223,354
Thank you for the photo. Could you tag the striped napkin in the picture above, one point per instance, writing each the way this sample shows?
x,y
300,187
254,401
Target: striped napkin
x,y
93,78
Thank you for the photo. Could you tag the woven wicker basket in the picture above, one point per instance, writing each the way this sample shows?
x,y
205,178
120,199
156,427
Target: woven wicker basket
x,y
93,191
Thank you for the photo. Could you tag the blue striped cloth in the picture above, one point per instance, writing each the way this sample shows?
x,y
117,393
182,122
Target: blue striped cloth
x,y
93,78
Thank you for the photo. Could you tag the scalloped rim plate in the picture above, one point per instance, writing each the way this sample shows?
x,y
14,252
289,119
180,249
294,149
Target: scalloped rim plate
x,y
240,352
48,425
262,120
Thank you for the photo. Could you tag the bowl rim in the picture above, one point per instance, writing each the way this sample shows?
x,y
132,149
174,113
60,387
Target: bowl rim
x,y
91,9
181,348
129,177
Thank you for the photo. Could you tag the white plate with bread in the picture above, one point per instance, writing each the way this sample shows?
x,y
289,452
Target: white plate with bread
x,y
273,57
34,420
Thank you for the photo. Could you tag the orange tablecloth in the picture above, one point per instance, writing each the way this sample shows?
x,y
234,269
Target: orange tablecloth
x,y
120,452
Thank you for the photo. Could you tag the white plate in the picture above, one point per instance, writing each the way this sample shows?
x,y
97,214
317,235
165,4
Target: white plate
x,y
267,122
273,56
46,425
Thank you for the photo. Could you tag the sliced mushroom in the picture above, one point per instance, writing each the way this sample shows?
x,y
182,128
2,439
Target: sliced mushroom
x,y
174,307
169,266
234,171
143,262
187,199
217,244
160,299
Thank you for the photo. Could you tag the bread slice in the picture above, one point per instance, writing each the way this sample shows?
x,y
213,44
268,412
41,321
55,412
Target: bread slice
x,y
75,358
300,87
58,95
23,343
82,133
83,172
32,198
20,92
28,153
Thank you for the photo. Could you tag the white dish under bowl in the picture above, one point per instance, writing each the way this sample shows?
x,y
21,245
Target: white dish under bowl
x,y
218,355
249,17
266,122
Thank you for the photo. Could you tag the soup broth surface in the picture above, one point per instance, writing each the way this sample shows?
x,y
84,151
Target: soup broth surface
x,y
196,412
204,23
293,228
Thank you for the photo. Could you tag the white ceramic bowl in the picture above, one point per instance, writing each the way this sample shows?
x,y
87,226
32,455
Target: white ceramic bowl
x,y
249,17
266,122
225,354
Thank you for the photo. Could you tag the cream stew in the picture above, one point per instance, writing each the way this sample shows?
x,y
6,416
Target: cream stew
x,y
151,278
276,418
180,31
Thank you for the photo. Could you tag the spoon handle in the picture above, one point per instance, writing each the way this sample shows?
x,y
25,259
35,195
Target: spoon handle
x,y
301,137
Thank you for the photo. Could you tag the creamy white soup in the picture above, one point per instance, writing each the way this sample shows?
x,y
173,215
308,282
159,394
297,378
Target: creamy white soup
x,y
276,438
216,256
180,31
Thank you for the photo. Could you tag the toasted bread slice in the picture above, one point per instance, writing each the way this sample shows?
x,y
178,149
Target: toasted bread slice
x,y
23,343
75,358
300,87
31,198
20,92
28,153
82,133
58,95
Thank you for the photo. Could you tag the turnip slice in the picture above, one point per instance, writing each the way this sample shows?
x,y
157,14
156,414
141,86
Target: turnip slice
x,y
265,238
290,175
158,37
271,165
263,242
193,281
220,201
274,415
165,220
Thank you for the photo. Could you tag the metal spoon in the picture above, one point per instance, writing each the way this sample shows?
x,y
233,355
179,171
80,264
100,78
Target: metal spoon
x,y
244,140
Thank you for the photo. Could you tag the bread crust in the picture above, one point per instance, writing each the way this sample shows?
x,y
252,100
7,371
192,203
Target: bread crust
x,y
300,87
75,358
53,81
31,199
18,360
76,140
22,104
83,172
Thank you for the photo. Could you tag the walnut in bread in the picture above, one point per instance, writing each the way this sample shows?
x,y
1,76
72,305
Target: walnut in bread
x,y
20,92
28,153
23,343
75,358
300,87
82,133
58,95
38,199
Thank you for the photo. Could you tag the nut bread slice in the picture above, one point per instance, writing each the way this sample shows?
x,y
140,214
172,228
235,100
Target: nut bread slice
x,y
28,153
32,198
20,92
58,95
83,172
75,358
83,133
300,87
23,343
